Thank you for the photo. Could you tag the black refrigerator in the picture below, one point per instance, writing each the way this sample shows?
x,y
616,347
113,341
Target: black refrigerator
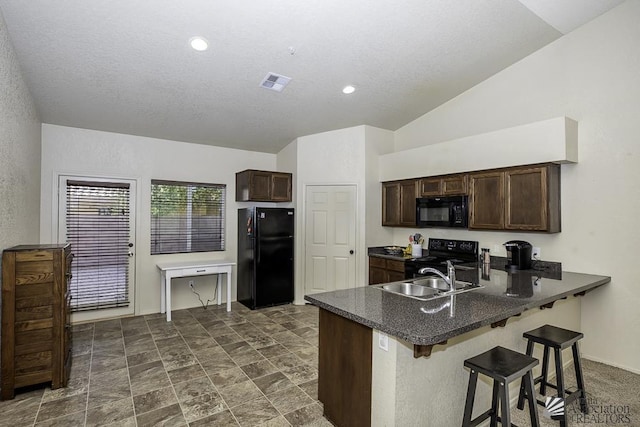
x,y
265,256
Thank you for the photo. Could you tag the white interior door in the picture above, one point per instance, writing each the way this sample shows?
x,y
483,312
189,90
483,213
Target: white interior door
x,y
97,216
330,237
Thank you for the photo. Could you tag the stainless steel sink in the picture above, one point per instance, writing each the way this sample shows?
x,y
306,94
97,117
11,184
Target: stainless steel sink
x,y
432,282
425,288
438,283
409,289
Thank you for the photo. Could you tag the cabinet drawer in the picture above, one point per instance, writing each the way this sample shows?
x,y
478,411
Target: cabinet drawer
x,y
34,336
34,313
34,256
34,325
199,271
37,290
395,265
377,262
33,362
34,272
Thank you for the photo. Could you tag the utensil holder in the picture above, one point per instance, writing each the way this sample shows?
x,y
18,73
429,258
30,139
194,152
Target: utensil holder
x,y
416,250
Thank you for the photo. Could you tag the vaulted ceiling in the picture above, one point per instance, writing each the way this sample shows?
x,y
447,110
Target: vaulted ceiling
x,y
127,66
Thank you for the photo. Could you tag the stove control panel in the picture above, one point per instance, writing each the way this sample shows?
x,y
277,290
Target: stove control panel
x,y
453,247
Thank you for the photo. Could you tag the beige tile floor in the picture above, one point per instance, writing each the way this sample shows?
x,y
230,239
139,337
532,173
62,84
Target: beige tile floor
x,y
205,368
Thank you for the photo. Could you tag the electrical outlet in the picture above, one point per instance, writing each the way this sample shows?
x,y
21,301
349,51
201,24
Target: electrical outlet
x,y
191,284
383,341
535,253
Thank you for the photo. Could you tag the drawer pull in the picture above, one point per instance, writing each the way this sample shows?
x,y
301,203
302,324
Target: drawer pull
x,y
201,271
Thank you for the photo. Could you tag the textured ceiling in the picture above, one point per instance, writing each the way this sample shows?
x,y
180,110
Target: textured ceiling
x,y
126,66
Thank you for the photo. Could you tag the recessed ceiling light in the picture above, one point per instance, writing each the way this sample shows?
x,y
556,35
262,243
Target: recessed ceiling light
x,y
348,89
199,43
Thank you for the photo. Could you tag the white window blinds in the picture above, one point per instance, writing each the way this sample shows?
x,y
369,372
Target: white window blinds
x,y
97,221
187,217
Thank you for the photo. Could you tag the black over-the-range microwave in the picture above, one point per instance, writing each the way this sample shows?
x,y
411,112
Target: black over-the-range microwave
x,y
442,212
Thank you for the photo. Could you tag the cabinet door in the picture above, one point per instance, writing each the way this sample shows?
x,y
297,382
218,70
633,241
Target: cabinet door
x,y
394,276
260,186
454,185
281,187
430,187
526,199
408,196
486,200
390,203
377,275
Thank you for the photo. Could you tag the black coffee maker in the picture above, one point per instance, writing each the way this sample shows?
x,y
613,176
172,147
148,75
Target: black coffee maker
x,y
518,255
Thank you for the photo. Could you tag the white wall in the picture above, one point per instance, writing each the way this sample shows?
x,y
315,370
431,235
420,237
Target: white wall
x,y
287,160
331,158
68,150
377,143
590,75
19,152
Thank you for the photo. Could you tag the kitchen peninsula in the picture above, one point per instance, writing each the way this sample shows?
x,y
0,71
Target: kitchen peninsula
x,y
420,379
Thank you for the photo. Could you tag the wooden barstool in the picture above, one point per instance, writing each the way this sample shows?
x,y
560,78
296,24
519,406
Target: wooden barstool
x,y
504,366
558,339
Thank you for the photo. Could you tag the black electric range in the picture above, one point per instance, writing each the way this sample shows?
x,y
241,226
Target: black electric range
x,y
462,253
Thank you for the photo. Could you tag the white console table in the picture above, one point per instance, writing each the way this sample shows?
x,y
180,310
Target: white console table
x,y
171,270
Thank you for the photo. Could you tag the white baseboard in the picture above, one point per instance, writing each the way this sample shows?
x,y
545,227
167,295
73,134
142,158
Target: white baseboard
x,y
607,362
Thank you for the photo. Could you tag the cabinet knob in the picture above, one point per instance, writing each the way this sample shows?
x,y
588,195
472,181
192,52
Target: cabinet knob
x,y
351,252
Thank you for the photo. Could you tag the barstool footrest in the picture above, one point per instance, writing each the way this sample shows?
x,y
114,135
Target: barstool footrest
x,y
481,418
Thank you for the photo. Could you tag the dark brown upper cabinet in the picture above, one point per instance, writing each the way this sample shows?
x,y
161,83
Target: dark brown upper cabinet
x,y
448,185
486,200
399,203
524,199
263,186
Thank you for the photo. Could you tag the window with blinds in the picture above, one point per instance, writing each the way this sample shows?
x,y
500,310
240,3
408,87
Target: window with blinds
x,y
97,220
186,217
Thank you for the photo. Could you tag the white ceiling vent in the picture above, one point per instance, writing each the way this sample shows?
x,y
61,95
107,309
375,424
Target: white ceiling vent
x,y
275,82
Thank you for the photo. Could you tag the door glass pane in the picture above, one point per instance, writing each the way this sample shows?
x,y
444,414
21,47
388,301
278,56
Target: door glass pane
x,y
97,220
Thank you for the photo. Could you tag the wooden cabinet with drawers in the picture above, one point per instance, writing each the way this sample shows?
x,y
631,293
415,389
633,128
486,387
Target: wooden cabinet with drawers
x,y
263,186
383,270
446,185
36,331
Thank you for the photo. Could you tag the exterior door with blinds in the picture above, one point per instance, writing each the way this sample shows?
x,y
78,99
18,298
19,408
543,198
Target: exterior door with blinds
x,y
98,218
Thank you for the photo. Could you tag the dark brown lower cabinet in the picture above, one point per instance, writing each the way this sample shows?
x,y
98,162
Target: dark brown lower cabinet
x,y
36,333
344,370
382,270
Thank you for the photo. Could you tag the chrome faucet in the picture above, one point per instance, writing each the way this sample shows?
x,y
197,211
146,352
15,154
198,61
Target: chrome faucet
x,y
449,278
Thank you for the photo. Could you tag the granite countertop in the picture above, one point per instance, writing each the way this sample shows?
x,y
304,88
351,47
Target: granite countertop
x,y
431,322
379,252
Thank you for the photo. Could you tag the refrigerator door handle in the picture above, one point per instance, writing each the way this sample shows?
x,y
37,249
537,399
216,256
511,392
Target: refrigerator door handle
x,y
257,245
